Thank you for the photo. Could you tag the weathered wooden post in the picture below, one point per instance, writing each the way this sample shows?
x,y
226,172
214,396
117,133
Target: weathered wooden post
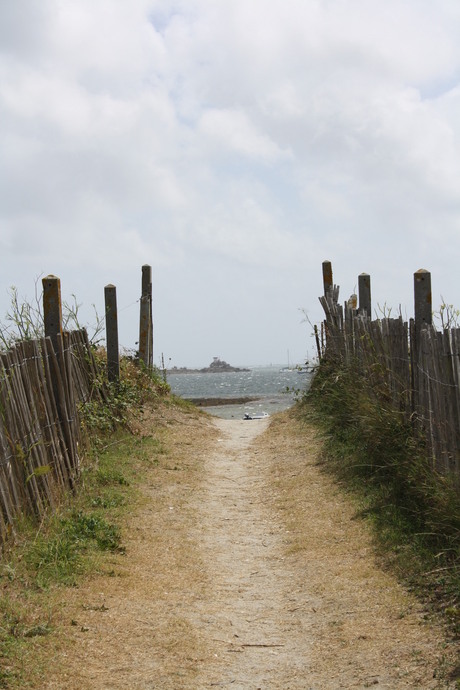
x,y
111,329
52,308
52,318
422,318
318,346
327,279
364,292
146,319
422,301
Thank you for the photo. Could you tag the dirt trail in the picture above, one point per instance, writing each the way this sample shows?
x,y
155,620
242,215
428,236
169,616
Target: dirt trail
x,y
246,569
250,610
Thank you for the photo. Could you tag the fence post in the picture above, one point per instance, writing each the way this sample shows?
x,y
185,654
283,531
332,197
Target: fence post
x,y
146,319
111,329
52,308
327,278
422,301
364,291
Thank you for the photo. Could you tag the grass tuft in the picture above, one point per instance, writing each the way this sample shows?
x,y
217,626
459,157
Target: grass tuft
x,y
415,511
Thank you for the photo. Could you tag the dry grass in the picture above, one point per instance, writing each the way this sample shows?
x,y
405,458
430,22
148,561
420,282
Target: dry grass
x,y
244,564
130,624
363,622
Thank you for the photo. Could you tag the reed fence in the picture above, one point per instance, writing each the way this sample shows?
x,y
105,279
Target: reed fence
x,y
40,434
409,365
42,385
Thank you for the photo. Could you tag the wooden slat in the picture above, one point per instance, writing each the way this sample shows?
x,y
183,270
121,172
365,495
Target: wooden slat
x,y
419,379
39,422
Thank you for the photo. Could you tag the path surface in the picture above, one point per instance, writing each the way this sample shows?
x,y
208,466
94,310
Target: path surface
x,y
251,609
246,569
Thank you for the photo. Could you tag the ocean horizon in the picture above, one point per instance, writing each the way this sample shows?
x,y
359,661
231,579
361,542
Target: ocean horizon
x,y
270,388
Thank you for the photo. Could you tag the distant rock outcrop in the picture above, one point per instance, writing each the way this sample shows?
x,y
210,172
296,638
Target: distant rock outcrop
x,y
217,366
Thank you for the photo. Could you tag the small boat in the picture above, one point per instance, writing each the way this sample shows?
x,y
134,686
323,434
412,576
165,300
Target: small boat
x,y
255,415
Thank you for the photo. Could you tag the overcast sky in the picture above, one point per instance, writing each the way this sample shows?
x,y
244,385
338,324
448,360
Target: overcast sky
x,y
233,145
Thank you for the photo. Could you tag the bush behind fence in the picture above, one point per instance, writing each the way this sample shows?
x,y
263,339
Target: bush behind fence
x,y
411,366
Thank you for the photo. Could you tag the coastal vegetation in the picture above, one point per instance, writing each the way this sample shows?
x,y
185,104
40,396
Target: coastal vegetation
x,y
376,454
70,542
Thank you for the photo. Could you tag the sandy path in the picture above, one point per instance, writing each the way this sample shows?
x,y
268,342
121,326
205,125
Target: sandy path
x,y
246,569
249,610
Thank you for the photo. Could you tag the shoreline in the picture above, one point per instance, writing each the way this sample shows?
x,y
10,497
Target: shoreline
x,y
214,402
206,370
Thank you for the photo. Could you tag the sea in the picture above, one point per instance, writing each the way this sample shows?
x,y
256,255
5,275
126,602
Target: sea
x,y
273,389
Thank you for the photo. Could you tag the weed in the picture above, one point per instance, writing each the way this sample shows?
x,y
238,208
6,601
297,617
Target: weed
x,y
81,527
62,553
156,446
415,512
123,400
182,403
24,318
6,676
112,501
106,476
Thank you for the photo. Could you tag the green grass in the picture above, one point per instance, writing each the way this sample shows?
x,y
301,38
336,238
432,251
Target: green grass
x,y
414,512
67,545
74,541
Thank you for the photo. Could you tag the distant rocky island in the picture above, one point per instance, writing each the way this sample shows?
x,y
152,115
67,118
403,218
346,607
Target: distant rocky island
x,y
217,366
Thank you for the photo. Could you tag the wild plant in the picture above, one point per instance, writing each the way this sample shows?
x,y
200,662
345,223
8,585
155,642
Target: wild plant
x,y
372,447
24,319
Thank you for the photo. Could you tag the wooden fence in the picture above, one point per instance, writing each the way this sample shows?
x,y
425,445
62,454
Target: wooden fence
x,y
411,366
42,383
40,392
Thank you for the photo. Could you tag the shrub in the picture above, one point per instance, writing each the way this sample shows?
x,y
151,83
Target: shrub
x,y
371,448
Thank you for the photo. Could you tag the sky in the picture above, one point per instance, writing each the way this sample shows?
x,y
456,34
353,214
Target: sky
x,y
232,145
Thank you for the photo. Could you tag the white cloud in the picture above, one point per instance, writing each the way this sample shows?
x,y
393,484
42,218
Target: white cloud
x,y
231,131
231,138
